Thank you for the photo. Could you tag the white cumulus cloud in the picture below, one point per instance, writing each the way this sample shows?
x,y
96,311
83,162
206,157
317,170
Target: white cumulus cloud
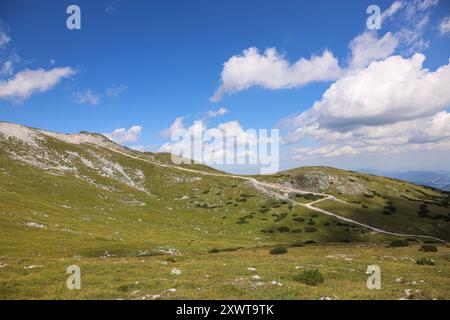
x,y
215,141
217,113
391,105
116,90
4,39
86,97
123,135
272,71
387,91
444,26
27,82
176,125
366,48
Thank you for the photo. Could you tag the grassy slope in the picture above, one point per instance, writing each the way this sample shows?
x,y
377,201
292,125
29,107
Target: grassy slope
x,y
226,275
390,204
106,232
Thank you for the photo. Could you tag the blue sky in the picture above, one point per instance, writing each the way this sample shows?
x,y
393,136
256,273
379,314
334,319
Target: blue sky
x,y
164,59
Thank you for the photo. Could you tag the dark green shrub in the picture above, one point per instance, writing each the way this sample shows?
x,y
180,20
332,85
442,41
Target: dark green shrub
x,y
429,248
310,277
283,229
425,262
299,219
399,243
279,250
297,231
342,224
125,287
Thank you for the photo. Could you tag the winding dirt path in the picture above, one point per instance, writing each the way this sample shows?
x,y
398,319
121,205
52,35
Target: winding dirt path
x,y
282,192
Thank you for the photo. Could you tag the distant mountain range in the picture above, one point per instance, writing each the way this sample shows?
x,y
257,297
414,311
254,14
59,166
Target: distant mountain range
x,y
435,179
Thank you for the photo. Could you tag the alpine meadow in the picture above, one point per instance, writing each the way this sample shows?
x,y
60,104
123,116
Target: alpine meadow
x,y
224,157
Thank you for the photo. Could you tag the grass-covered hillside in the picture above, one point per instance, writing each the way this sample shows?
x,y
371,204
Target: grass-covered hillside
x,y
381,202
128,219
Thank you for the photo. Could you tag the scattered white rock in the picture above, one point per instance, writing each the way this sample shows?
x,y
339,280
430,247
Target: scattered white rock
x,y
408,292
251,269
256,278
399,280
33,266
170,251
35,225
175,271
276,283
172,290
19,132
325,298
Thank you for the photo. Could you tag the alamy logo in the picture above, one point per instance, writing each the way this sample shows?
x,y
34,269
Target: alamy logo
x,y
374,21
74,20
74,280
226,146
374,280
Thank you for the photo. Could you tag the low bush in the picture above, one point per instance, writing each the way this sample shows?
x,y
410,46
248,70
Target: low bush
x,y
310,277
399,243
425,262
279,250
283,229
215,250
429,248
